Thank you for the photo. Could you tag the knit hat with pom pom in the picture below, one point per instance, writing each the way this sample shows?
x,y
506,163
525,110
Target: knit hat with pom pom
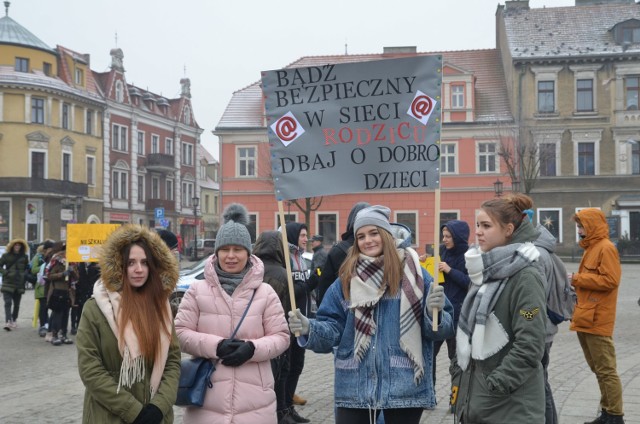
x,y
234,230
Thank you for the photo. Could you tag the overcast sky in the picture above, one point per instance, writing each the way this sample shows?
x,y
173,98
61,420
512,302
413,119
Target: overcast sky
x,y
224,44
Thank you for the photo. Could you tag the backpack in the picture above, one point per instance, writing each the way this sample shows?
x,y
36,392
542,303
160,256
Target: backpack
x,y
561,300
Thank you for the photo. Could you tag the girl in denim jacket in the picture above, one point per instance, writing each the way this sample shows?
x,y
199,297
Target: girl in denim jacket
x,y
377,318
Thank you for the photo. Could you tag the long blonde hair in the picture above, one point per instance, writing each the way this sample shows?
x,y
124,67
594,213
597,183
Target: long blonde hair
x,y
391,263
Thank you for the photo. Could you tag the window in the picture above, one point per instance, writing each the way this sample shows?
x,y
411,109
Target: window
x,y
169,190
547,153
66,167
446,217
586,159
187,194
546,97
46,68
584,95
448,158
65,116
253,226
487,157
215,204
119,137
140,188
38,163
91,170
22,64
328,227
288,217
141,143
632,89
457,96
630,35
79,74
37,110
187,154
187,115
155,187
119,185
155,144
635,159
207,201
551,219
119,92
410,220
168,146
89,124
246,162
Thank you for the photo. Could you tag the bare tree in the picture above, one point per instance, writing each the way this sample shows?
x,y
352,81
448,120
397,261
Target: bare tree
x,y
522,155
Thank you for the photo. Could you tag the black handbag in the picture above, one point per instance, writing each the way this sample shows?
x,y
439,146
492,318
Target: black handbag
x,y
195,374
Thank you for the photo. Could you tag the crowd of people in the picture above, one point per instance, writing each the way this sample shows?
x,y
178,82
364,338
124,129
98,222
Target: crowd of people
x,y
379,312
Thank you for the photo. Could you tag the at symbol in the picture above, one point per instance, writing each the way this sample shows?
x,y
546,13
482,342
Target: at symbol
x,y
286,128
421,106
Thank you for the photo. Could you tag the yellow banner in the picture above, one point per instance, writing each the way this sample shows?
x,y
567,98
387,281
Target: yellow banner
x,y
84,241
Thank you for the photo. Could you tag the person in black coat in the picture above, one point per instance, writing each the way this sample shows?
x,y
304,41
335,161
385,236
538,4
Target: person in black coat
x,y
88,274
338,253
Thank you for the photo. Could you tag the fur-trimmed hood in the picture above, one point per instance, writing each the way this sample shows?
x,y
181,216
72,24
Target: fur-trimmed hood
x,y
111,260
25,246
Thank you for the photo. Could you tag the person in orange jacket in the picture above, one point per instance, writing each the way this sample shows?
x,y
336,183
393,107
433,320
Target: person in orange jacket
x,y
596,284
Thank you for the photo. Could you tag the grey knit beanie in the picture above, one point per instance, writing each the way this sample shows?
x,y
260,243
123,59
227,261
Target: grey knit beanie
x,y
234,230
373,215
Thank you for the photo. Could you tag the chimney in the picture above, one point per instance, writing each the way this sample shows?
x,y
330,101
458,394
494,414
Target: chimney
x,y
399,50
516,5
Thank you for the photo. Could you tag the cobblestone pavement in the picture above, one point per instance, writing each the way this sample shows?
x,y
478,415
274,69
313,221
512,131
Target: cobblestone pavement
x,y
40,382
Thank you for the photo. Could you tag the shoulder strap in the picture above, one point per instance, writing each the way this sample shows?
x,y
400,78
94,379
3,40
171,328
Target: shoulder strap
x,y
244,314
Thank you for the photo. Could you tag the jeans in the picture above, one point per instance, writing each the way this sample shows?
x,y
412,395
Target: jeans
x,y
10,298
43,312
367,416
296,364
550,414
600,354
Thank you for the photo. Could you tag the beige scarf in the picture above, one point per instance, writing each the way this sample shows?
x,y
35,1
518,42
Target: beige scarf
x,y
133,364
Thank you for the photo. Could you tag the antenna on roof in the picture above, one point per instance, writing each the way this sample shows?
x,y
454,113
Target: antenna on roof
x,y
116,38
345,48
6,7
185,70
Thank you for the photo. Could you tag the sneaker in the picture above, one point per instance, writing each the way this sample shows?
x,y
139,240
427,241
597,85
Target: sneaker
x,y
297,417
42,332
297,400
48,337
64,340
56,342
74,331
13,325
7,326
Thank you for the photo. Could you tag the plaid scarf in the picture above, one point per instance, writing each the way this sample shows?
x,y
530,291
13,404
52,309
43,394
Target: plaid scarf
x,y
367,288
480,335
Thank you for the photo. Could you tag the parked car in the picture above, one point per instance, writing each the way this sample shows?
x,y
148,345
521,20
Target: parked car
x,y
205,248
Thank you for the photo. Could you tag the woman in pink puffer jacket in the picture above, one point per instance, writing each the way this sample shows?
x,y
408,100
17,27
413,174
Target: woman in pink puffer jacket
x,y
209,312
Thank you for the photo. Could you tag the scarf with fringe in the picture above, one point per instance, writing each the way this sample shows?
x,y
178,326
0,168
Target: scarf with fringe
x,y
368,287
480,335
133,367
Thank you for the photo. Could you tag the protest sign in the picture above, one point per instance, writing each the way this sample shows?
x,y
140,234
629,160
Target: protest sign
x,y
84,241
354,127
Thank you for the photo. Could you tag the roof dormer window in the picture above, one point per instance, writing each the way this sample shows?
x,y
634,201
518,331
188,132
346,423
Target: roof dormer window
x,y
627,32
22,64
79,76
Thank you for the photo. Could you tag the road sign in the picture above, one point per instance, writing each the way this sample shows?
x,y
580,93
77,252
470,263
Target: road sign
x,y
159,213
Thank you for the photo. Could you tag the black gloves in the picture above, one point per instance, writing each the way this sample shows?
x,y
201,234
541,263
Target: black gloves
x,y
227,346
150,414
242,354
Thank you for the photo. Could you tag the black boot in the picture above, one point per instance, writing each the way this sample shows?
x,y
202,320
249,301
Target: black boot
x,y
615,419
296,417
285,418
600,419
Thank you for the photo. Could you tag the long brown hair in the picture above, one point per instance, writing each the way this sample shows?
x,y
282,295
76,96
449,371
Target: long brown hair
x,y
144,307
391,263
509,209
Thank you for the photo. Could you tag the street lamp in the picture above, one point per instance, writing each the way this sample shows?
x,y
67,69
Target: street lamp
x,y
497,187
515,185
195,201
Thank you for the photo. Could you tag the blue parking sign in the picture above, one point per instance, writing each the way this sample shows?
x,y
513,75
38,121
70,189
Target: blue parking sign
x,y
159,213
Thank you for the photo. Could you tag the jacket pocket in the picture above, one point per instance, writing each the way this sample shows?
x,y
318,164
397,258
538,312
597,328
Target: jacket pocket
x,y
584,315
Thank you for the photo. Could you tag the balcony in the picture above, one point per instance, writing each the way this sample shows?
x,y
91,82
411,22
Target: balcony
x,y
42,185
168,205
160,162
